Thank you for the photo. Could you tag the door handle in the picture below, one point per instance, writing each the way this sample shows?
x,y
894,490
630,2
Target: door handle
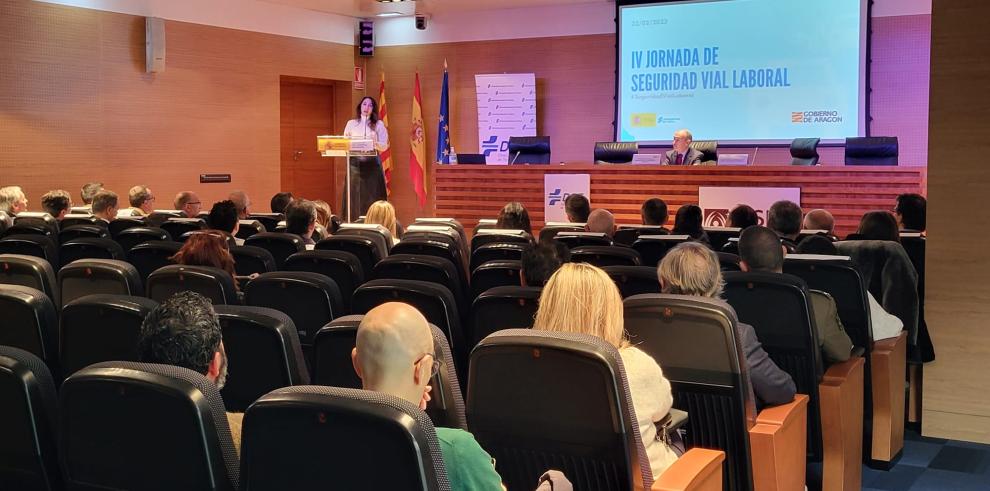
x,y
296,155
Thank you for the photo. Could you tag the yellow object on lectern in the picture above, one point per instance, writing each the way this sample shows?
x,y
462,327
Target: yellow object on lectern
x,y
341,146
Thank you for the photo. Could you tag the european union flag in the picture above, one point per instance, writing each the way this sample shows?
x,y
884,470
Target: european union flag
x,y
443,132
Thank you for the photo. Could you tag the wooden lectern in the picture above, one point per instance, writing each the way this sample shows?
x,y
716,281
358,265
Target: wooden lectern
x,y
347,147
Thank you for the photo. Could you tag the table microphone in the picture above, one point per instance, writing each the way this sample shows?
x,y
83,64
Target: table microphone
x,y
757,152
513,161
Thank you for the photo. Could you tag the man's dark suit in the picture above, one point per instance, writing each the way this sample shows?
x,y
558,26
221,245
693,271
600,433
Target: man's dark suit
x,y
771,385
691,157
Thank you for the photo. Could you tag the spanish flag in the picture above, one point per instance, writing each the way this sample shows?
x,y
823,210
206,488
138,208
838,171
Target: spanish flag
x,y
417,146
386,153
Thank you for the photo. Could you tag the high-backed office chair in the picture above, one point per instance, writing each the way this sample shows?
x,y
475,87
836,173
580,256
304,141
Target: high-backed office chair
x,y
30,323
133,236
263,354
696,341
871,150
30,271
708,149
279,244
615,152
157,424
398,450
90,248
471,158
495,273
311,300
529,149
652,248
503,307
151,255
213,283
28,423
804,151
634,280
602,256
94,276
31,245
101,327
342,267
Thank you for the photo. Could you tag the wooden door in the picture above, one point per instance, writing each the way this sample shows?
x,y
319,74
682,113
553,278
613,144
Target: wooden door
x,y
307,110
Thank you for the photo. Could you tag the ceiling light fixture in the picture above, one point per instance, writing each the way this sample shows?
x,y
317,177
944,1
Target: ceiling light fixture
x,y
388,14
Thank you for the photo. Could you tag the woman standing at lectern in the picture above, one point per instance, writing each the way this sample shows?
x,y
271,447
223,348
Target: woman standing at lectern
x,y
367,179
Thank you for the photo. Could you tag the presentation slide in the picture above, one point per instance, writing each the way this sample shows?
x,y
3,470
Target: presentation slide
x,y
742,71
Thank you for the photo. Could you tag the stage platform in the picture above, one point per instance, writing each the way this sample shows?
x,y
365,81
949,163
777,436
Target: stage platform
x,y
472,192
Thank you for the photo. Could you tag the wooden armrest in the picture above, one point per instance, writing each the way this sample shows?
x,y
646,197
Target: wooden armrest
x,y
778,443
841,401
699,469
889,360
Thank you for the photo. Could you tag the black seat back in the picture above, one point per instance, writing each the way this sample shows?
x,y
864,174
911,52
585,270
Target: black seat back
x,y
838,277
627,234
529,149
719,236
577,239
871,150
279,244
634,280
378,234
728,262
93,276
30,271
652,248
118,225
487,236
263,354
88,231
29,322
101,327
250,259
551,229
157,424
149,256
27,423
213,283
696,341
42,223
539,400
394,435
615,152
342,267
804,151
494,273
73,219
133,236
269,220
177,227
503,307
708,149
90,248
602,256
247,228
361,247
31,245
497,251
435,244
311,300
424,268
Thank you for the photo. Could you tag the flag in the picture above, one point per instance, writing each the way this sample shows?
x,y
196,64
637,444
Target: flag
x,y
443,132
386,153
417,146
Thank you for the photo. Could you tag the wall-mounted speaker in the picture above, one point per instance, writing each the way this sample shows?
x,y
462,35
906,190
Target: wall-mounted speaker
x,y
366,38
154,45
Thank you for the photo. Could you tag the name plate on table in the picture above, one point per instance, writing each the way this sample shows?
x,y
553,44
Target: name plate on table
x,y
647,158
342,146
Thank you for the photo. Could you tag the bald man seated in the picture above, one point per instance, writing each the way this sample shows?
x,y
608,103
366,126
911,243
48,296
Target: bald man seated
x,y
819,219
601,221
394,354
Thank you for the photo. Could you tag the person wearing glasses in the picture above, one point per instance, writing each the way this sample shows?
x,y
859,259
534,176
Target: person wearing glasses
x,y
682,154
394,354
188,203
142,201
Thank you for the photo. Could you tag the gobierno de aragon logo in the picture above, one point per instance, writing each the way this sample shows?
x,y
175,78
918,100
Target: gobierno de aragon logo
x,y
832,117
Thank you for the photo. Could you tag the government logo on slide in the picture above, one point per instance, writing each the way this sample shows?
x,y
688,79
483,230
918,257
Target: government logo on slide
x,y
643,120
816,117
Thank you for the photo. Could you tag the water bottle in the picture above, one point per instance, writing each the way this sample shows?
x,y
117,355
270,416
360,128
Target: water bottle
x,y
453,155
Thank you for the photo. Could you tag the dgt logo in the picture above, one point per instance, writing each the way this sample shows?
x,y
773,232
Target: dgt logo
x,y
492,145
556,196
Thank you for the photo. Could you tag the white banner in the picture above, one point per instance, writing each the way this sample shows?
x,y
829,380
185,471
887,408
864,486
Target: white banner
x,y
717,202
557,187
506,107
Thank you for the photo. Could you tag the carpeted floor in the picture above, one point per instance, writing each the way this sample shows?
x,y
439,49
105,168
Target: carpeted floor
x,y
934,464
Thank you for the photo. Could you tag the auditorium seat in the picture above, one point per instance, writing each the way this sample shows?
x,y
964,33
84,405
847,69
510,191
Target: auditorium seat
x,y
311,300
495,273
231,242
342,267
42,222
578,239
502,235
133,236
503,307
444,222
29,271
602,256
90,248
871,150
332,366
484,224
708,149
82,231
378,234
157,426
27,423
263,354
93,276
151,255
118,225
835,410
280,245
615,152
101,327
286,447
728,262
213,283
176,227
157,217
633,280
696,341
435,244
30,323
361,247
497,251
27,229
529,150
732,246
540,400
627,234
424,268
652,248
269,220
551,229
247,228
804,151
73,219
31,245
719,236
250,259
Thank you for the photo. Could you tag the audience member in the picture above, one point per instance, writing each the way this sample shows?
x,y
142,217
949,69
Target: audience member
x,y
688,221
142,200
223,218
88,192
819,219
184,331
188,202
910,211
56,203
105,205
883,324
541,260
243,204
382,212
323,215
682,153
13,200
654,212
878,225
300,219
743,216
692,269
601,221
515,217
582,298
760,250
577,208
394,354
784,218
207,249
280,201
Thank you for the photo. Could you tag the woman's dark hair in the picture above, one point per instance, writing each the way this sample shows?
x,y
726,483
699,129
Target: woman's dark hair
x,y
743,216
514,216
206,249
878,225
688,221
373,117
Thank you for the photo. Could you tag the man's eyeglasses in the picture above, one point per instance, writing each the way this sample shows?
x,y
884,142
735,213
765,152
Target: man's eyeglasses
x,y
435,367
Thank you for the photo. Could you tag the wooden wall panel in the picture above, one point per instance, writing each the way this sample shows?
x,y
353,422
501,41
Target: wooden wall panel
x,y
76,105
957,384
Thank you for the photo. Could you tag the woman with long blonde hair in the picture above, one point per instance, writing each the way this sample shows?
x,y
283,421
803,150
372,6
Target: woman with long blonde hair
x,y
581,298
382,213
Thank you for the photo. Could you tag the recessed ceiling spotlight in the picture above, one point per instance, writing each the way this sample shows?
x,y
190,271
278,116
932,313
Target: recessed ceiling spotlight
x,y
388,14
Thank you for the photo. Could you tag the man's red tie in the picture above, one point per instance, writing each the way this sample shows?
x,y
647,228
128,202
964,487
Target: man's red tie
x,y
680,159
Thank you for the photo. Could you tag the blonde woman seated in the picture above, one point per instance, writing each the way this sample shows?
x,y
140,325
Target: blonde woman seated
x,y
583,299
382,213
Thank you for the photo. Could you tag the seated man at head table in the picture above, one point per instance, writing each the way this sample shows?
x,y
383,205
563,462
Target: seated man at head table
x,y
682,154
